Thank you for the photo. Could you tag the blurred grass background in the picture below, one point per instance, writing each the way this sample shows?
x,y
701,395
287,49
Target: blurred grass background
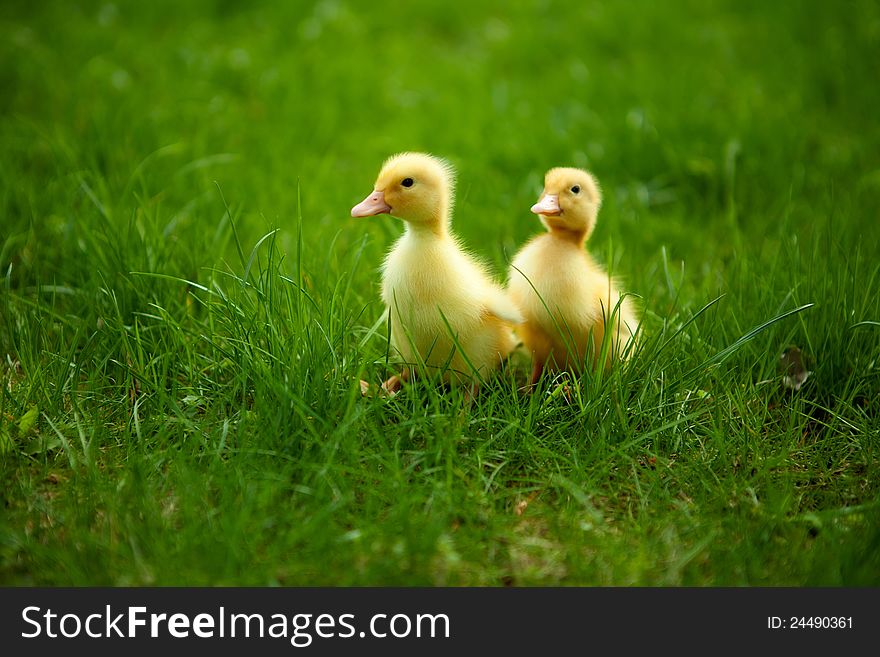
x,y
157,432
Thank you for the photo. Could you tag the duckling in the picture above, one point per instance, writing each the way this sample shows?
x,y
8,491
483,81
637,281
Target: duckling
x,y
436,293
567,299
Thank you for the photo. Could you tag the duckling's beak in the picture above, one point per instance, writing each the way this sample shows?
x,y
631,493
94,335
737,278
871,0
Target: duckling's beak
x,y
548,205
373,204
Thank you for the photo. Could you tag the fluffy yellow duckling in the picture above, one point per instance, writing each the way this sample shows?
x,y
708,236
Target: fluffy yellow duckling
x,y
431,287
566,298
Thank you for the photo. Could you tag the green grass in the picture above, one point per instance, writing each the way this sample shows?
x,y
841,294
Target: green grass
x,y
186,305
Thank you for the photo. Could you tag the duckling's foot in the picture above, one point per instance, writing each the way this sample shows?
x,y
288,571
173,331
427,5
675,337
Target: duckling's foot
x,y
567,393
470,394
387,389
392,386
565,390
537,371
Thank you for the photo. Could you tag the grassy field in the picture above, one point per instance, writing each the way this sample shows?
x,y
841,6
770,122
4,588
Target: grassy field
x,y
187,306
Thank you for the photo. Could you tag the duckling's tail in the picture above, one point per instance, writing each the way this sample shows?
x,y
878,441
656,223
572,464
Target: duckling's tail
x,y
500,305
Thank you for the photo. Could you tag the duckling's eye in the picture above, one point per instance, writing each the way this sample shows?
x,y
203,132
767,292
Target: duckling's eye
x,y
407,182
576,189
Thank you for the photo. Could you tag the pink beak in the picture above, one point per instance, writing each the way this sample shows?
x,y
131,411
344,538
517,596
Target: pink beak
x,y
547,205
373,204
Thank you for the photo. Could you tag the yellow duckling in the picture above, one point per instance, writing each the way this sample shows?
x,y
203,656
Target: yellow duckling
x,y
566,298
433,290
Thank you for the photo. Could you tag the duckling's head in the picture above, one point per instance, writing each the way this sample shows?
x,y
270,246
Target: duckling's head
x,y
415,187
570,201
